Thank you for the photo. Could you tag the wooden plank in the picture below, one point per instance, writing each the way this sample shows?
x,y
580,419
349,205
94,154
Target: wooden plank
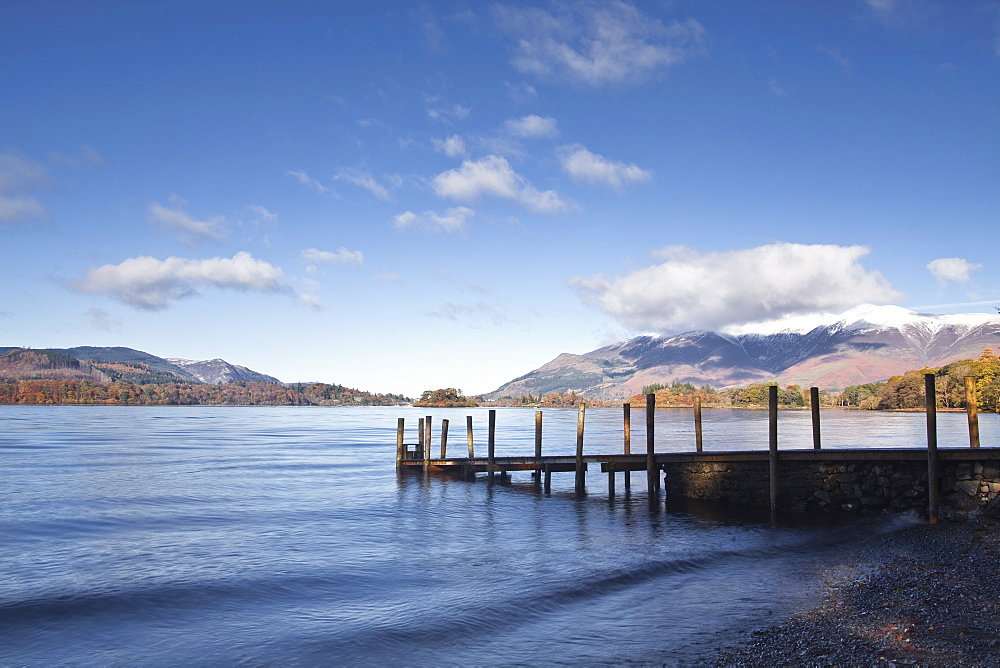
x,y
557,467
626,467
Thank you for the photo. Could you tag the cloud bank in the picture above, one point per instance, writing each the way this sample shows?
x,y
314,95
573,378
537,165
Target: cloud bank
x,y
690,290
153,285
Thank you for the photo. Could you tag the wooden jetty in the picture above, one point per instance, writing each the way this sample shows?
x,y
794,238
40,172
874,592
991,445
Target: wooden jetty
x,y
802,478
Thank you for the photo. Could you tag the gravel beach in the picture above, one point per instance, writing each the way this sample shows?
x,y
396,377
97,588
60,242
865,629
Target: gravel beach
x,y
925,595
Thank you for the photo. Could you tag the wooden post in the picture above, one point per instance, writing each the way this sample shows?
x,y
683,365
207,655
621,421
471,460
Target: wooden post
x,y
652,479
580,473
400,448
491,444
933,484
420,442
814,404
972,410
427,438
420,437
697,424
548,480
772,444
468,436
628,440
444,439
538,445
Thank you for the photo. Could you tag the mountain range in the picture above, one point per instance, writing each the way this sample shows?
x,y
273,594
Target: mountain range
x,y
209,371
863,345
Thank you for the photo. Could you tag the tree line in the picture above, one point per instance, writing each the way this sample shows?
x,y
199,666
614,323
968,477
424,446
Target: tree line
x,y
907,390
244,393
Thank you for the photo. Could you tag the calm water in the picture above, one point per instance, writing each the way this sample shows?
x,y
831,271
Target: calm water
x,y
213,536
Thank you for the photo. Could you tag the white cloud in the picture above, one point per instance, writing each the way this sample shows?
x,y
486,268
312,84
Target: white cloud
x,y
341,256
955,269
899,13
836,55
21,209
881,5
447,114
17,176
180,221
521,93
17,173
151,284
454,220
598,43
87,156
363,179
690,290
776,89
453,146
493,176
263,215
532,126
309,181
101,320
583,165
311,301
476,315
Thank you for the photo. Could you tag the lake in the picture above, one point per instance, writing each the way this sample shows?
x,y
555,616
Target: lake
x,y
208,536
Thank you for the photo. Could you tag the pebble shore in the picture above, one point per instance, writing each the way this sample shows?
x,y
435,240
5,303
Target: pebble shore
x,y
926,595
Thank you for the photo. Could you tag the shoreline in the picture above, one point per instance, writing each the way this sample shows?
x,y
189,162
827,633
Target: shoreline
x,y
926,595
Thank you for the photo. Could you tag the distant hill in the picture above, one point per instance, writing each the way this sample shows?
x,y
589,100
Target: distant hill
x,y
863,345
105,364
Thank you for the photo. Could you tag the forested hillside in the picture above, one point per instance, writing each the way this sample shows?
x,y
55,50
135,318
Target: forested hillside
x,y
52,391
53,377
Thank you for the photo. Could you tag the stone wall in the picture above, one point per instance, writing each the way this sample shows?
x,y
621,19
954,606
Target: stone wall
x,y
859,487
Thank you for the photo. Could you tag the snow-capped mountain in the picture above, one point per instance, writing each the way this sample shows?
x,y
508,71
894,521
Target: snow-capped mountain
x,y
220,371
865,344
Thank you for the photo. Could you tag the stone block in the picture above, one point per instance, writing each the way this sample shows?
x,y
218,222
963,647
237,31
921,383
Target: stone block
x,y
970,487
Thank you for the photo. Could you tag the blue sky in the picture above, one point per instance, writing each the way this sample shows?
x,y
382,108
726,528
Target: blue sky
x,y
400,196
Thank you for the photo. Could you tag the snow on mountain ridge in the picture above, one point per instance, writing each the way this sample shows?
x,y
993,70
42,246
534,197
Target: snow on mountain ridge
x,y
865,317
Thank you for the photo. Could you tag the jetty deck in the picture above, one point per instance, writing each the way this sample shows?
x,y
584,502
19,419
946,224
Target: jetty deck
x,y
869,479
